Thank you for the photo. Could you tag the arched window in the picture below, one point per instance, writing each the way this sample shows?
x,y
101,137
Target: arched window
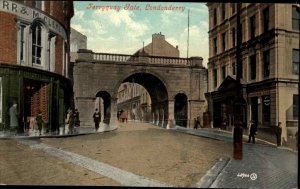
x,y
37,43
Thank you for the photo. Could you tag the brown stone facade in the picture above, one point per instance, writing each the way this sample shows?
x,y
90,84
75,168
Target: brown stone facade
x,y
269,61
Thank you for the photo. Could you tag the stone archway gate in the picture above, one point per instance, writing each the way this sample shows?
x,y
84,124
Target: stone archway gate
x,y
95,72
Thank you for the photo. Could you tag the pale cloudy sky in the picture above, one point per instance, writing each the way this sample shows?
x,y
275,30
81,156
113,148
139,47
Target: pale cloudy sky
x,y
112,28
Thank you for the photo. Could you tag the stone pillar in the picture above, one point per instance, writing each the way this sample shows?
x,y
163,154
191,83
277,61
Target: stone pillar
x,y
171,121
85,107
113,113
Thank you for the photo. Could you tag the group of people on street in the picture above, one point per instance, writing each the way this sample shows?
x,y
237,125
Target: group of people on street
x,y
72,120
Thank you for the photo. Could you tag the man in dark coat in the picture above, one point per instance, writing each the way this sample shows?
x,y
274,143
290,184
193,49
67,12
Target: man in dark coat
x,y
97,118
253,129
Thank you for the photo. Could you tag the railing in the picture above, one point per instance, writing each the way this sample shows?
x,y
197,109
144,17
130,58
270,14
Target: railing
x,y
140,59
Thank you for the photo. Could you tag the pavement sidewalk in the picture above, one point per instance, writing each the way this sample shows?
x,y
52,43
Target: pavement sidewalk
x,y
263,164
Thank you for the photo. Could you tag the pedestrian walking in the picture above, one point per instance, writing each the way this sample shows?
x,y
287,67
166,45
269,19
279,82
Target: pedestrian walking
x,y
123,116
76,118
97,118
252,131
70,121
278,132
195,123
39,122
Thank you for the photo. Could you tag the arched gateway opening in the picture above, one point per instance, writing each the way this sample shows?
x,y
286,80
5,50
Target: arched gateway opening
x,y
158,94
104,105
181,110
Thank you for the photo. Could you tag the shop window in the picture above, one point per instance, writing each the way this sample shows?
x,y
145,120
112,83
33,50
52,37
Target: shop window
x,y
266,110
295,106
296,61
296,18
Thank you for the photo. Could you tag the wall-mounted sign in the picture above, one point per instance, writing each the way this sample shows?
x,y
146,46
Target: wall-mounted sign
x,y
267,101
29,14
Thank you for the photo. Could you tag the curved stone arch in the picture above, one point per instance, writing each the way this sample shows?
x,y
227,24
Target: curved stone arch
x,y
179,92
42,22
136,71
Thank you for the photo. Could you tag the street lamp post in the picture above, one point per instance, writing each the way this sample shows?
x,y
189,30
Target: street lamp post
x,y
238,101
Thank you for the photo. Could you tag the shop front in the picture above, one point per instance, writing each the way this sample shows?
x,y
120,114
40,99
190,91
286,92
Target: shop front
x,y
31,92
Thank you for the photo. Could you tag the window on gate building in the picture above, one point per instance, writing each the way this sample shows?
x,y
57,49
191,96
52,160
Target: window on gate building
x,y
295,106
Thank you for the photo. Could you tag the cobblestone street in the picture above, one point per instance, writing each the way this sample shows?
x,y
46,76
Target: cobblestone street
x,y
151,155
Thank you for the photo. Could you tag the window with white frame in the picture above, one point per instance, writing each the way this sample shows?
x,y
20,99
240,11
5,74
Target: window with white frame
x,y
37,43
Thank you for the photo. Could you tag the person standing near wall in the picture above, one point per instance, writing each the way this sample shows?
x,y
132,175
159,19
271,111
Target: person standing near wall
x,y
14,121
278,132
39,121
253,129
97,119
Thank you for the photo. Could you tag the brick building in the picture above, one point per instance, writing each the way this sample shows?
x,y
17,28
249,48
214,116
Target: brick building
x,y
34,60
269,67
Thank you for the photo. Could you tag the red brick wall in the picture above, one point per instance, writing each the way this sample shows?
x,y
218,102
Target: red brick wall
x,y
8,38
59,55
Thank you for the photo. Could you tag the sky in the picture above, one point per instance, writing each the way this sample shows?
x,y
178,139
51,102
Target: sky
x,y
122,27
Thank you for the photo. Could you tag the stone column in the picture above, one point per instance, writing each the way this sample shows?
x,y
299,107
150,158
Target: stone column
x,y
171,121
113,113
85,107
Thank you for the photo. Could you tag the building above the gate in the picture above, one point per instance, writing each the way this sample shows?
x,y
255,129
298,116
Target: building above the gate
x,y
159,47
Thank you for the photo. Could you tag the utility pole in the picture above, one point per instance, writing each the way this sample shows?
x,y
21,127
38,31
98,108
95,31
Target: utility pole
x,y
238,101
